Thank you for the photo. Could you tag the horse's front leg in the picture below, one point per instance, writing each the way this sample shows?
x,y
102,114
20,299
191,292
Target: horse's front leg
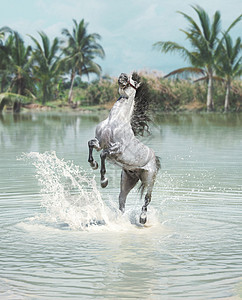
x,y
93,144
110,152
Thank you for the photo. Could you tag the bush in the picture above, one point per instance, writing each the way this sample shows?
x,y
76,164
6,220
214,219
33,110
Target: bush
x,y
165,94
101,92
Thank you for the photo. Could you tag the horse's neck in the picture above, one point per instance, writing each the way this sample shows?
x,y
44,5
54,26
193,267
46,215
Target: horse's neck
x,y
122,110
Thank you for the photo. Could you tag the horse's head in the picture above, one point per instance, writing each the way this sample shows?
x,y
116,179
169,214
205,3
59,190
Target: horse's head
x,y
128,84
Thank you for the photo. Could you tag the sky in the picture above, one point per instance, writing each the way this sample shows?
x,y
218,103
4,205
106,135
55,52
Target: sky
x,y
128,28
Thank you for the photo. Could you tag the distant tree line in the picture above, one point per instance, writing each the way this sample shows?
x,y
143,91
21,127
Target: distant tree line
x,y
165,95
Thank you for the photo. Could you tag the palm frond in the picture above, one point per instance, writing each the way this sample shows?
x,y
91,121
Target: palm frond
x,y
169,47
6,29
10,98
186,71
193,24
215,28
201,79
237,69
45,43
228,45
36,43
237,49
204,20
234,23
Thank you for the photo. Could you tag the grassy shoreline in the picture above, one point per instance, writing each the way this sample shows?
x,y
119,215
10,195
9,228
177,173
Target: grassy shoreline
x,y
165,96
190,108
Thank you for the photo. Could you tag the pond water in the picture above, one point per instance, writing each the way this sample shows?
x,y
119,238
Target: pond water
x,y
62,236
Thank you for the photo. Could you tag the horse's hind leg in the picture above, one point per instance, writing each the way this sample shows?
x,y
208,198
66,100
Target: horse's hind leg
x,y
148,180
143,215
128,181
104,180
93,144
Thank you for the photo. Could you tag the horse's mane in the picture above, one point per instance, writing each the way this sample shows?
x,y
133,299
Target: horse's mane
x,y
140,117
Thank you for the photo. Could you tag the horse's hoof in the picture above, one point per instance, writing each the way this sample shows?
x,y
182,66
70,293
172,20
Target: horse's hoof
x,y
143,218
94,165
122,209
104,183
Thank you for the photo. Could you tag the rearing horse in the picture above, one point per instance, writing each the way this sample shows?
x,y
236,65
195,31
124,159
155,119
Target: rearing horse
x,y
116,137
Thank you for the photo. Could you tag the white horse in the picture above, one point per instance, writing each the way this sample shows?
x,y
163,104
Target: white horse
x,y
116,137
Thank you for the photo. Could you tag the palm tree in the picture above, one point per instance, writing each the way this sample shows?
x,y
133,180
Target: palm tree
x,y
229,63
204,39
80,52
15,70
46,64
19,59
4,58
1,37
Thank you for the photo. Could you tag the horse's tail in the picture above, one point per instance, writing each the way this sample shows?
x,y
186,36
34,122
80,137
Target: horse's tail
x,y
143,185
157,163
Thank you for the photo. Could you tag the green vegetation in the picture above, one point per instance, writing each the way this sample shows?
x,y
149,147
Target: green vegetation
x,y
229,64
40,72
80,52
184,95
205,54
12,99
50,72
165,94
45,65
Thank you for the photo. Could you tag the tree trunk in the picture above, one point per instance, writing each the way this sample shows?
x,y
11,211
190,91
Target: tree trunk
x,y
44,89
16,106
19,84
19,90
210,104
71,88
226,102
3,83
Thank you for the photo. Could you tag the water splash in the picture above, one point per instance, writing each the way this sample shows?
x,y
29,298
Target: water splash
x,y
69,195
72,200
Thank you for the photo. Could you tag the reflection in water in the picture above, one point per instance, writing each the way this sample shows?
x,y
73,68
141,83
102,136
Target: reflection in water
x,y
200,119
208,128
39,131
191,249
